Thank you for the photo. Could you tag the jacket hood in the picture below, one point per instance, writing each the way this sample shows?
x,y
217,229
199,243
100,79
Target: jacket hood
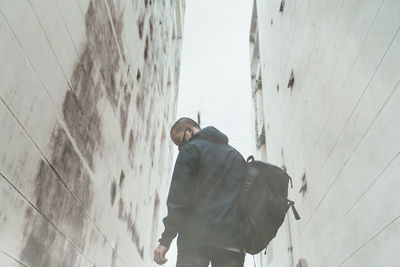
x,y
212,134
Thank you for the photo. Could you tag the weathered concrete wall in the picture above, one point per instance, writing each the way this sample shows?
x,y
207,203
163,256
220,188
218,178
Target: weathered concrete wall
x,y
88,91
336,128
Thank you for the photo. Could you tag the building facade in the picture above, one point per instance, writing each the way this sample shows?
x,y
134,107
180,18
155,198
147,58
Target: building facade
x,y
88,93
326,96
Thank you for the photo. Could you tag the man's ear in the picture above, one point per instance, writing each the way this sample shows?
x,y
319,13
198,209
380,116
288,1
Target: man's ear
x,y
191,129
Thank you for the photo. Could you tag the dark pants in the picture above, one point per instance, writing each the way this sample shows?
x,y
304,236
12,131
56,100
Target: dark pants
x,y
201,257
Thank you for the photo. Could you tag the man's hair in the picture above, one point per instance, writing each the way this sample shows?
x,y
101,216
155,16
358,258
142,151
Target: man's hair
x,y
181,124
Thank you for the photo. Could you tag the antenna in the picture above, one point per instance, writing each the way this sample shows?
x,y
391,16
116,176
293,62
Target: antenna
x,y
198,118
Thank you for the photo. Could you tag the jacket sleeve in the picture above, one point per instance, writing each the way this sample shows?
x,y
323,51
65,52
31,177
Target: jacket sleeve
x,y
180,192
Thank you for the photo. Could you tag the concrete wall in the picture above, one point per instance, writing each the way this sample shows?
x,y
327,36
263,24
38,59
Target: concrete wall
x,y
88,91
336,129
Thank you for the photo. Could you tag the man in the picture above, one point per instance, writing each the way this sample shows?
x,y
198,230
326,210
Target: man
x,y
203,199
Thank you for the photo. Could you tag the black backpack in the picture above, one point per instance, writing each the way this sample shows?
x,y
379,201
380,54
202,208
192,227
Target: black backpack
x,y
263,204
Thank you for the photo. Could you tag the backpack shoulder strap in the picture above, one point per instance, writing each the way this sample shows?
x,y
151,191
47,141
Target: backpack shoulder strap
x,y
295,213
250,159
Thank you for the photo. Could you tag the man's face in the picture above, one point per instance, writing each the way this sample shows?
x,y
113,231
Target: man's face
x,y
177,136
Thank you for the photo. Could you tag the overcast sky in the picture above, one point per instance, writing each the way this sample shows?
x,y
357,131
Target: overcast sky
x,y
215,73
215,69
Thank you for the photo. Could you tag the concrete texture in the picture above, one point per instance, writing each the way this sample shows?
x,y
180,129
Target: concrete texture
x,y
330,107
88,92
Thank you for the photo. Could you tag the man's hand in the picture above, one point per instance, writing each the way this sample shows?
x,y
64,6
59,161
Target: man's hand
x,y
159,254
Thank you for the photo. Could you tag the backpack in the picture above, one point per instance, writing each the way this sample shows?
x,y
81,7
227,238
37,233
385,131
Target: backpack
x,y
263,204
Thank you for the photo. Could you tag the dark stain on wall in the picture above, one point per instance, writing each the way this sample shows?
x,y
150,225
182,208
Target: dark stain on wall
x,y
102,48
121,179
140,24
65,176
282,6
117,18
154,226
58,205
291,81
135,237
69,166
131,152
140,104
123,113
146,49
98,56
153,147
121,209
148,127
131,141
96,76
79,127
151,28
41,243
303,188
124,110
126,217
156,207
113,192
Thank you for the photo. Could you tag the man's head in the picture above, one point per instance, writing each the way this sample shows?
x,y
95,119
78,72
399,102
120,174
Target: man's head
x,y
183,130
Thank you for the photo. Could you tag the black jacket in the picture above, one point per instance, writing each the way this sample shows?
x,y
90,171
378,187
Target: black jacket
x,y
203,197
